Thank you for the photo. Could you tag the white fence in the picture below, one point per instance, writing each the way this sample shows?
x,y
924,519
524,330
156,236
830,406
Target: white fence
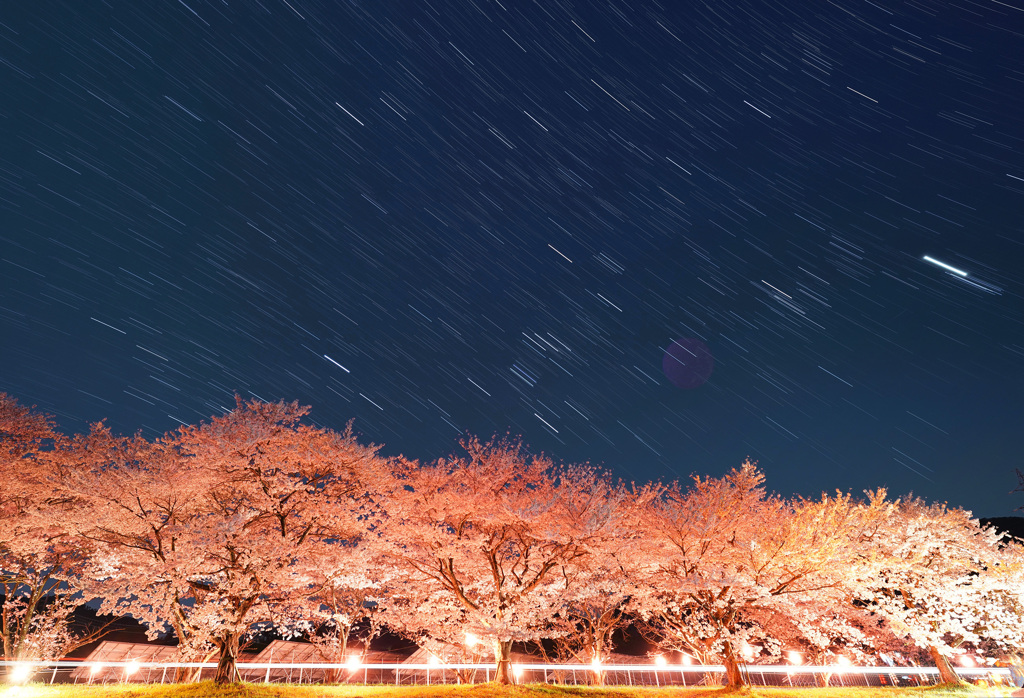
x,y
440,673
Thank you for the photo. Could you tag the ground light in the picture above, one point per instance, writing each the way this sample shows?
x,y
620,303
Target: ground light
x,y
661,662
94,669
20,673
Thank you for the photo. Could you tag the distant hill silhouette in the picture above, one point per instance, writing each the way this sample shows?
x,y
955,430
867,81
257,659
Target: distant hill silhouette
x,y
1006,525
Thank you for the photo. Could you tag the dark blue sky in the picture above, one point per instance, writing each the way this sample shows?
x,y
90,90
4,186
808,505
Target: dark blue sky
x,y
439,217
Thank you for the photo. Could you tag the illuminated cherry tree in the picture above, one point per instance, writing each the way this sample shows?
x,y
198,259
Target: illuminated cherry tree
x,y
937,576
436,621
597,604
725,549
502,535
41,565
344,610
216,525
825,630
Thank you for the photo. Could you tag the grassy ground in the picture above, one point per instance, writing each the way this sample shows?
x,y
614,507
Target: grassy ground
x,y
209,690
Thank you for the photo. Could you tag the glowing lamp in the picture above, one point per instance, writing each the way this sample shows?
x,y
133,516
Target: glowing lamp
x,y
795,658
517,672
433,660
131,668
842,661
20,673
660,661
471,640
95,668
967,661
353,662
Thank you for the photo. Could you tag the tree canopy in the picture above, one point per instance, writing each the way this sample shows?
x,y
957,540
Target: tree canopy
x,y
258,519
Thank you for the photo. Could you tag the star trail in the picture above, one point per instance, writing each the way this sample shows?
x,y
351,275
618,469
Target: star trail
x,y
656,237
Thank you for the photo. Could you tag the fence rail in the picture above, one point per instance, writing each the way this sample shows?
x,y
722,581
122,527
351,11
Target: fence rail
x,y
90,672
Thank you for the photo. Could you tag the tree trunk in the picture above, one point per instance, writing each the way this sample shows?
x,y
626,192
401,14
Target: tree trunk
x,y
192,674
227,669
733,675
336,676
503,656
595,653
946,673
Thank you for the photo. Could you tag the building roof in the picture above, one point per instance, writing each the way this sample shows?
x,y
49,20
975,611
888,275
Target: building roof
x,y
289,652
111,651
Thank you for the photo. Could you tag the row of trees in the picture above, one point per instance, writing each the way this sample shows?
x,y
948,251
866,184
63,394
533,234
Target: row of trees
x,y
258,520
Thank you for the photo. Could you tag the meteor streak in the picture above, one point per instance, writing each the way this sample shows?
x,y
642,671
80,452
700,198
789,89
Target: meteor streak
x,y
943,265
337,364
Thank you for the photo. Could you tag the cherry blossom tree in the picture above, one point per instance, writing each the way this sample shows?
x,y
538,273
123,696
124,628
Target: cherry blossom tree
x,y
725,548
438,622
936,575
345,611
585,630
820,629
500,535
214,526
41,565
135,499
597,605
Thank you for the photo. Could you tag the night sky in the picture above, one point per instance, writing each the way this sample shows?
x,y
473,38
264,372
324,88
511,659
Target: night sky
x,y
659,237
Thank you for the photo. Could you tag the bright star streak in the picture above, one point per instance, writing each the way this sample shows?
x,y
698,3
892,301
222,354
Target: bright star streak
x,y
546,422
945,266
337,364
